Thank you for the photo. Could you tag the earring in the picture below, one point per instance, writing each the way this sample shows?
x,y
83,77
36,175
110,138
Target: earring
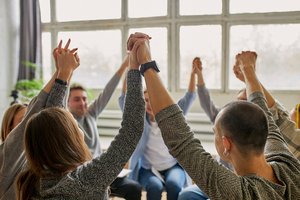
x,y
225,153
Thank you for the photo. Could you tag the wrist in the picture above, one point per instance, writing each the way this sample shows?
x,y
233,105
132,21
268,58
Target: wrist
x,y
61,82
149,66
64,75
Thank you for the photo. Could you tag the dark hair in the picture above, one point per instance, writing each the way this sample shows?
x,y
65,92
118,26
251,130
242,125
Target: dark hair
x,y
77,86
246,124
53,147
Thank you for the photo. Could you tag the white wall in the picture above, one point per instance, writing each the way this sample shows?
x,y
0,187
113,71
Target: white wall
x,y
9,51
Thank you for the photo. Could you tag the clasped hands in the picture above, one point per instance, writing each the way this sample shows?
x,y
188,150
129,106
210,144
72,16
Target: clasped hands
x,y
245,62
139,49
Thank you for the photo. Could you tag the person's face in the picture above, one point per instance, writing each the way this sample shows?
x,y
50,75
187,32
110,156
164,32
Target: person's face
x,y
77,102
18,117
148,105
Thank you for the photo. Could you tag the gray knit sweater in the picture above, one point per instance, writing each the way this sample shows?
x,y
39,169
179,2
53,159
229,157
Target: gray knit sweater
x,y
91,180
12,156
218,182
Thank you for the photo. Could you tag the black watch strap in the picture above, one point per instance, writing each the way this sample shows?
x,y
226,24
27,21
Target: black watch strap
x,y
59,81
148,65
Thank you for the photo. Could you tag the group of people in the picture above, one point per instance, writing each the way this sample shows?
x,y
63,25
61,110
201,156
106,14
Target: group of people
x,y
54,152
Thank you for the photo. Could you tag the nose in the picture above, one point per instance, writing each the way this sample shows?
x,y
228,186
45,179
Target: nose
x,y
82,101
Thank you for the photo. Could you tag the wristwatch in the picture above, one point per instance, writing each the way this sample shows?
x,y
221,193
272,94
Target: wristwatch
x,y
61,82
147,66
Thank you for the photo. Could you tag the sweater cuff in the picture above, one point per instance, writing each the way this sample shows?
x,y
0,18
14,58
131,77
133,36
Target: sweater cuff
x,y
167,112
57,94
255,95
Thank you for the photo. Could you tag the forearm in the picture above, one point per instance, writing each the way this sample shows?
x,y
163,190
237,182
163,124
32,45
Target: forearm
x,y
122,69
252,83
275,141
269,97
125,142
57,95
159,96
200,79
206,103
50,83
192,83
99,104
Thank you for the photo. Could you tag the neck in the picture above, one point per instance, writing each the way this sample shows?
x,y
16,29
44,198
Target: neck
x,y
256,165
151,117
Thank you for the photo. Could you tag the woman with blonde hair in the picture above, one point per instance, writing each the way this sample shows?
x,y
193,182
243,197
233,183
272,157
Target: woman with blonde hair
x,y
12,117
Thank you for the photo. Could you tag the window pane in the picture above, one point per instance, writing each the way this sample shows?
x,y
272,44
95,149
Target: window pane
x,y
100,55
145,8
260,6
47,56
159,48
204,7
45,10
69,10
278,48
205,42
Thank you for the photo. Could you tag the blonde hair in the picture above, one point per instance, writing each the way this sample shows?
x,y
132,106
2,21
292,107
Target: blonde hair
x,y
8,119
54,146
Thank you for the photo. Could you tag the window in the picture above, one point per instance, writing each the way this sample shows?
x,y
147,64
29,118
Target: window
x,y
259,6
205,42
100,55
214,30
69,10
203,7
146,8
47,53
278,48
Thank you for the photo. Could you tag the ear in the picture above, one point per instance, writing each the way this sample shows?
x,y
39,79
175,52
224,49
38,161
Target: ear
x,y
226,143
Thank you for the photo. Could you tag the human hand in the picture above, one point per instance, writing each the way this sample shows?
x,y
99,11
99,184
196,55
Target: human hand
x,y
67,61
197,66
244,60
134,37
140,51
59,49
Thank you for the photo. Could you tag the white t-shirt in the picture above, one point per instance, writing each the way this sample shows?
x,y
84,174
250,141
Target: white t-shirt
x,y
156,152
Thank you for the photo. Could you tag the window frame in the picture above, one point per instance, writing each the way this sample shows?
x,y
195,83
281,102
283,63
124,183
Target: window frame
x,y
172,22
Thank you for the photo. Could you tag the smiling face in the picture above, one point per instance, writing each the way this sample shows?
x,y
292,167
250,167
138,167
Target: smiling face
x,y
77,102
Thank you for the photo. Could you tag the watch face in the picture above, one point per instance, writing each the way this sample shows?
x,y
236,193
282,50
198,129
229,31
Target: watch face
x,y
149,65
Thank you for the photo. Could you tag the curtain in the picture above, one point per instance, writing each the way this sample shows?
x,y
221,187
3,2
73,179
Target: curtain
x,y
30,39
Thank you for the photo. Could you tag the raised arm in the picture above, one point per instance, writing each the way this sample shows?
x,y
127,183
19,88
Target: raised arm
x,y
110,163
12,157
121,99
65,65
255,93
180,139
186,101
99,104
204,97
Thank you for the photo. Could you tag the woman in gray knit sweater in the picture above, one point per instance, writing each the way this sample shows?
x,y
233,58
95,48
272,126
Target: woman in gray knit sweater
x,y
245,135
59,162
